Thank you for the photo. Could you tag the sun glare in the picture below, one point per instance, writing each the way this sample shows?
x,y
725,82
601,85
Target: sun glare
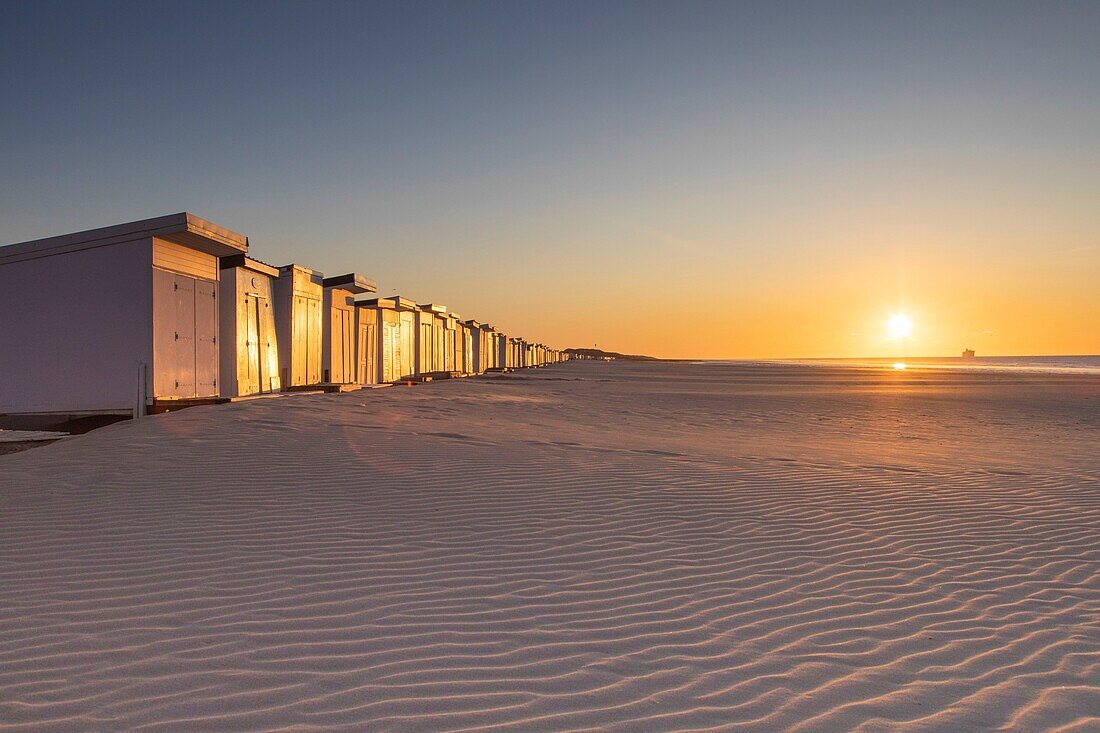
x,y
899,326
899,365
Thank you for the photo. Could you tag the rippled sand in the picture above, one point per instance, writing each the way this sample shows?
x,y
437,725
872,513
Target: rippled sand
x,y
617,547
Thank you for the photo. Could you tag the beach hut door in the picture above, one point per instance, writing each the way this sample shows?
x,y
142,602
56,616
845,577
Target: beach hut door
x,y
426,343
185,350
366,352
347,346
250,371
206,338
391,350
305,348
313,339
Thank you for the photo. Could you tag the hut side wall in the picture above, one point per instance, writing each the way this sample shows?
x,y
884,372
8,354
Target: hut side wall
x,y
76,325
249,356
338,361
298,305
367,345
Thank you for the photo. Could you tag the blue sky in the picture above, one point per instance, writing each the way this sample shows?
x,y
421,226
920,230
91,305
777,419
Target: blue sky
x,y
535,159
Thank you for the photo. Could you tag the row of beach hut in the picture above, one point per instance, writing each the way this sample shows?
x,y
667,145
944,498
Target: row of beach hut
x,y
170,311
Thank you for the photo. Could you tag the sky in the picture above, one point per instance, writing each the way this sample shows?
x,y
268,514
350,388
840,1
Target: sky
x,y
685,180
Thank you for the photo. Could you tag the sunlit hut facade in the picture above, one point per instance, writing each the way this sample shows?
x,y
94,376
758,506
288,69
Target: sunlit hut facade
x,y
510,352
340,362
479,345
429,338
450,343
490,355
368,335
500,344
502,349
112,320
249,352
299,297
396,320
464,346
492,352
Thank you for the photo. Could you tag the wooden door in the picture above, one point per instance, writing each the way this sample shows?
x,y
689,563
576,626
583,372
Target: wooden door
x,y
347,346
391,351
313,341
164,369
440,347
299,341
183,360
425,351
185,331
249,376
269,352
366,349
406,365
206,338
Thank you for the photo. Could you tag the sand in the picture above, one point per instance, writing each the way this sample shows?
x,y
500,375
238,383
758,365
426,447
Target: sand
x,y
614,547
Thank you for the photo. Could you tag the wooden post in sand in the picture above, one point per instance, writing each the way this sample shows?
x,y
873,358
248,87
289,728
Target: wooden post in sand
x,y
140,397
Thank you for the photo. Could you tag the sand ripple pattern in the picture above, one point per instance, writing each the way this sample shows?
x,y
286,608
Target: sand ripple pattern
x,y
605,552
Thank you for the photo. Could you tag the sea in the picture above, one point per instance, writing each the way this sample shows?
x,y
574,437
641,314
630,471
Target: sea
x,y
1081,364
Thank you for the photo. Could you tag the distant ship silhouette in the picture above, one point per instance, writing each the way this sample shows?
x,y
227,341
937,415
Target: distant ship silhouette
x,y
968,353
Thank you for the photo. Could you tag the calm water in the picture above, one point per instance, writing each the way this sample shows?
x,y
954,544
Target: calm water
x,y
1042,364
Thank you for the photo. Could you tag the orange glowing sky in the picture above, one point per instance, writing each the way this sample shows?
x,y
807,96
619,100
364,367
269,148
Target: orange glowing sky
x,y
693,180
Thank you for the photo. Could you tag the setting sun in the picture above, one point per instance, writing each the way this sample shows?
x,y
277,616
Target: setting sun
x,y
899,326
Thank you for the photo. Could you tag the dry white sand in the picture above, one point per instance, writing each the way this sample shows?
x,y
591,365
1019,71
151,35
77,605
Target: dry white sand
x,y
588,547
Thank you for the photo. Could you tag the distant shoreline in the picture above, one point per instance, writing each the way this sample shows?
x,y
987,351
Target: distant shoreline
x,y
1075,364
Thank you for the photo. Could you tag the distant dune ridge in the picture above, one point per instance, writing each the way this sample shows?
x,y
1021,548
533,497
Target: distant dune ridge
x,y
601,354
593,546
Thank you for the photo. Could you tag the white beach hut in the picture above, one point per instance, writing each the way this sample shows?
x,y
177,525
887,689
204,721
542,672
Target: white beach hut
x,y
450,342
246,320
339,359
396,321
367,345
429,338
464,345
114,320
500,350
299,296
479,340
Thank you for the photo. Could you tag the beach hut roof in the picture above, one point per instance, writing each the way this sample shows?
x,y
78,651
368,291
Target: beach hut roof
x,y
248,263
376,303
433,307
353,282
395,302
315,276
183,228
